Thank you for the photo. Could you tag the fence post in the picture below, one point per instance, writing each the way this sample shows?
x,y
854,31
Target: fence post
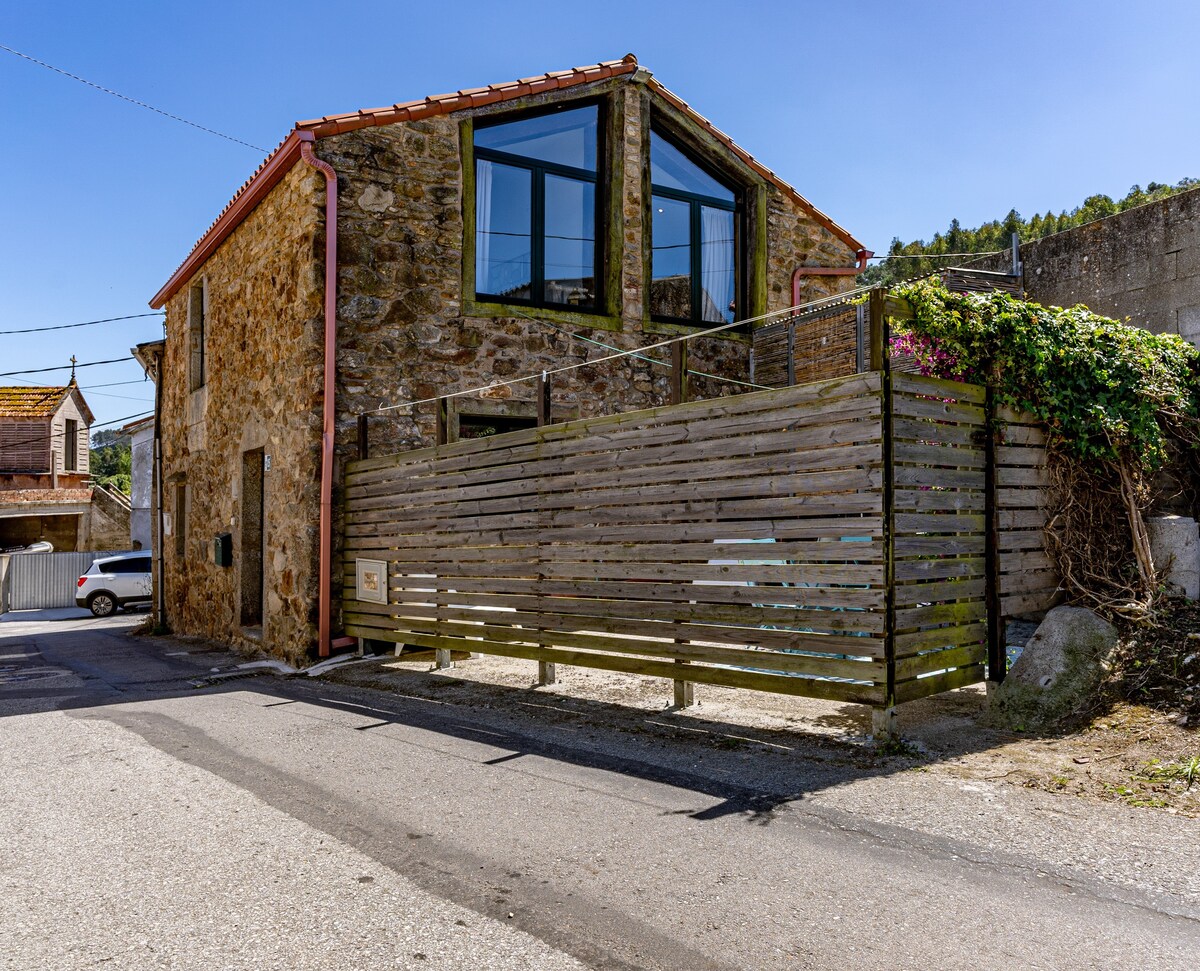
x,y
362,436
684,691
547,672
679,381
878,333
996,648
883,717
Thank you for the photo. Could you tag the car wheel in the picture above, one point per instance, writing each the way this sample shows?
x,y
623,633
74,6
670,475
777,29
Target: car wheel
x,y
101,604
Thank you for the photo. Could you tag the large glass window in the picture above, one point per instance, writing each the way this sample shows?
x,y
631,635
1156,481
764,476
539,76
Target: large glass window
x,y
694,229
535,209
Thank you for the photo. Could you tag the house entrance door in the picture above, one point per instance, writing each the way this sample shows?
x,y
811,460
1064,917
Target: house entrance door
x,y
253,536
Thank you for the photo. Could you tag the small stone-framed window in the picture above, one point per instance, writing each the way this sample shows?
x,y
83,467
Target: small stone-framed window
x,y
181,511
197,340
464,418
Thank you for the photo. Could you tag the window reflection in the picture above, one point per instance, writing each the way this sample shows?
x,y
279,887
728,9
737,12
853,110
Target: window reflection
x,y
694,240
535,209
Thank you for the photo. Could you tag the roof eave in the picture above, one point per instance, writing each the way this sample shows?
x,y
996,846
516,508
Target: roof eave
x,y
276,166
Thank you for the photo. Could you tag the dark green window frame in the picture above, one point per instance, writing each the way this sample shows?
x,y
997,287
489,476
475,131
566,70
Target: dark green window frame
x,y
697,202
538,170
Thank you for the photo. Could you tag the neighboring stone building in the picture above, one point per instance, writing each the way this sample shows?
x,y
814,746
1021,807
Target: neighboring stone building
x,y
1143,264
482,235
44,493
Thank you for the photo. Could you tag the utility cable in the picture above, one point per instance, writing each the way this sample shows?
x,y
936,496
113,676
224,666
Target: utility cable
x,y
86,323
616,356
65,367
642,357
132,101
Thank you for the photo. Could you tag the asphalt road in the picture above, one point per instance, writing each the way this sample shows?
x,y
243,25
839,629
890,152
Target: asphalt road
x,y
150,818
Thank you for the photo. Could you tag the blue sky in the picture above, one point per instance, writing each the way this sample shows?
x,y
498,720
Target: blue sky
x,y
891,117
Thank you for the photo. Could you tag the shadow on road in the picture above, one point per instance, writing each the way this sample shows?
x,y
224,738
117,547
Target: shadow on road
x,y
750,770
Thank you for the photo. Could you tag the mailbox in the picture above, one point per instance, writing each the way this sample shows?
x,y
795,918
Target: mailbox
x,y
223,549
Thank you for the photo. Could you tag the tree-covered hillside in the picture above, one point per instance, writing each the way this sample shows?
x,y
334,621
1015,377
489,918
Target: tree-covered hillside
x,y
997,234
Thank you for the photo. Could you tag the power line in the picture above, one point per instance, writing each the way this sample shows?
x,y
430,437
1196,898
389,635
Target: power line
x,y
610,357
642,357
86,323
65,367
935,256
132,101
53,435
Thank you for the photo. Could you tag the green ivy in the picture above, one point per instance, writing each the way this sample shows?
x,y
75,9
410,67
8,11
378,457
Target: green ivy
x,y
1108,391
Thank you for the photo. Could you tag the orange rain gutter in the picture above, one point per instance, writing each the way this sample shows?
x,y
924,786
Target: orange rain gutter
x,y
802,271
325,570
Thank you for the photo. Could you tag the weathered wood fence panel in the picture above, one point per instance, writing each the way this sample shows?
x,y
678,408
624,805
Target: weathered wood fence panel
x,y
829,539
939,471
742,536
1026,577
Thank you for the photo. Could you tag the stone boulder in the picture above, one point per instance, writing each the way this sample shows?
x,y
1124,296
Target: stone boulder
x,y
1059,671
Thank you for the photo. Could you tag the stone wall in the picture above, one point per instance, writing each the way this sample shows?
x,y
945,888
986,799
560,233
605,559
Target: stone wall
x,y
409,328
264,328
1143,264
107,523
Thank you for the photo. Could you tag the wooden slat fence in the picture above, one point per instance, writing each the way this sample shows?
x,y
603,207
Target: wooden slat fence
x,y
939,467
1026,578
824,540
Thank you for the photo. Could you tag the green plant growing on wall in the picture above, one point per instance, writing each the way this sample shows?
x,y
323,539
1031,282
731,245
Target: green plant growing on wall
x,y
1118,401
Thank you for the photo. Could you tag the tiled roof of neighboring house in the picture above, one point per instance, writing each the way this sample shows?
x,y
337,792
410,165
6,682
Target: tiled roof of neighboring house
x,y
281,160
25,402
20,497
137,426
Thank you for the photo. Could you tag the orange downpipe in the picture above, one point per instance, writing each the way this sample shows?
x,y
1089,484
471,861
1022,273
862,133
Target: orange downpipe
x,y
325,567
802,271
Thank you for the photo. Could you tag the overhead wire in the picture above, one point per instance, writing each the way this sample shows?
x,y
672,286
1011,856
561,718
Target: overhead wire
x,y
62,434
86,323
640,357
547,372
65,367
132,101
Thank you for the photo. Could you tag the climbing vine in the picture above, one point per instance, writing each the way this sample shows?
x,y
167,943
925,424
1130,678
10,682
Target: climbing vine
x,y
1119,403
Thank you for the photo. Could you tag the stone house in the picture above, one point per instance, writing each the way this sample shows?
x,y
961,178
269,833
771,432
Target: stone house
x,y
403,253
45,495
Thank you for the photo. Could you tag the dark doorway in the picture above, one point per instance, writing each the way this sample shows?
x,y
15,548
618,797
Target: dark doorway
x,y
253,534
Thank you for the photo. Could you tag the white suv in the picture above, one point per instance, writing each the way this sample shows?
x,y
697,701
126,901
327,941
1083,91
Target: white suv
x,y
113,582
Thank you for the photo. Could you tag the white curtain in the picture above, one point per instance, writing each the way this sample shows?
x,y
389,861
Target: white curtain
x,y
716,265
483,224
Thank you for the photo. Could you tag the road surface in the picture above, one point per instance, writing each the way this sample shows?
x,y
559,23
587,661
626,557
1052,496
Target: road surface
x,y
152,816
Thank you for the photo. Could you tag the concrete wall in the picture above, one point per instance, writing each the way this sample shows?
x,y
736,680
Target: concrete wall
x,y
141,490
409,327
1143,264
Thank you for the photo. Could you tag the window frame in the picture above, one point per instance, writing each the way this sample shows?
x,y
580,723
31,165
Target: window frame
x,y
697,201
538,170
70,445
197,335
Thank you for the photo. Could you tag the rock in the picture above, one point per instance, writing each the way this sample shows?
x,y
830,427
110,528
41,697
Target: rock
x,y
1175,547
1059,671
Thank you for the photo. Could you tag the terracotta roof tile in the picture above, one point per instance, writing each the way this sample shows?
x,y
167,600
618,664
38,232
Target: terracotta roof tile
x,y
27,402
285,155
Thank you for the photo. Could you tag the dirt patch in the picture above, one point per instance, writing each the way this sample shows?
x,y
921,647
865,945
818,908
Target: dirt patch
x,y
1130,754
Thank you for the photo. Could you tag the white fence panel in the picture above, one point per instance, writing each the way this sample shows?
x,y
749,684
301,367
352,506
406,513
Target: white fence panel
x,y
41,580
